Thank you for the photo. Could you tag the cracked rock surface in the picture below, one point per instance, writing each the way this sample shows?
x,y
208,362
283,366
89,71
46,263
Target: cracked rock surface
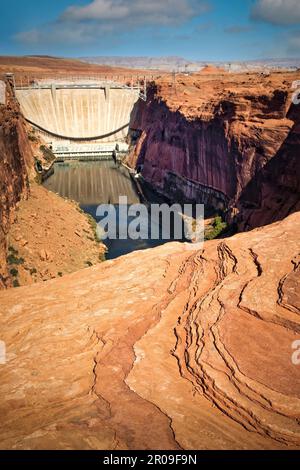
x,y
169,348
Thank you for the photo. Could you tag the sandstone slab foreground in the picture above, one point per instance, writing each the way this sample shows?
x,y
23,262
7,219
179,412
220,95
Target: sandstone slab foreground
x,y
163,349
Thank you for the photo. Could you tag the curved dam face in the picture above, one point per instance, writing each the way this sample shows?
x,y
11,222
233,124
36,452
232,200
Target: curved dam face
x,y
80,113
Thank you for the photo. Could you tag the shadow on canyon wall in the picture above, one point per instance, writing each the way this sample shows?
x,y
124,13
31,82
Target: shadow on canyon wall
x,y
238,161
274,192
166,143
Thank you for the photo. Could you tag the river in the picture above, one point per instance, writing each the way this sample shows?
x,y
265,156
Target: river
x,y
95,183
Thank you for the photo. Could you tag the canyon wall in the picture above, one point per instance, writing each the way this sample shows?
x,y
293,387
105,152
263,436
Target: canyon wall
x,y
274,191
223,140
15,160
200,351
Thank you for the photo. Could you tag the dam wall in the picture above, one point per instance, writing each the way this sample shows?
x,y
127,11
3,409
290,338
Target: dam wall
x,y
79,113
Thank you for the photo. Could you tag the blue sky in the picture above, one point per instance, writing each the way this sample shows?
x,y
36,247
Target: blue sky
x,y
210,30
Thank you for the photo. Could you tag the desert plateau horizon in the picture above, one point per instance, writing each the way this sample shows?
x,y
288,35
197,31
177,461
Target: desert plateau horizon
x,y
149,242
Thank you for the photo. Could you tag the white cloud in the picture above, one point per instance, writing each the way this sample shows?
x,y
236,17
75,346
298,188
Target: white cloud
x,y
57,33
279,12
137,11
98,10
100,18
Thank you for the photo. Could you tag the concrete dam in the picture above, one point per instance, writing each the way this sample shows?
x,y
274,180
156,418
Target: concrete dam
x,y
80,111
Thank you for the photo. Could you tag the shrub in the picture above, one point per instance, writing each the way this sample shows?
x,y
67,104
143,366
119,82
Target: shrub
x,y
93,225
14,272
32,138
38,179
218,227
12,259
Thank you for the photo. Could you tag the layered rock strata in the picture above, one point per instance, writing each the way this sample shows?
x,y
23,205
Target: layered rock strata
x,y
15,160
231,141
192,351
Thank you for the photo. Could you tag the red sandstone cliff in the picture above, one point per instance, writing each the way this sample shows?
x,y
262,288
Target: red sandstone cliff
x,y
274,190
166,348
227,140
15,160
198,354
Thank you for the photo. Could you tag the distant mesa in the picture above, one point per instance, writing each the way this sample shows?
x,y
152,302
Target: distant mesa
x,y
180,64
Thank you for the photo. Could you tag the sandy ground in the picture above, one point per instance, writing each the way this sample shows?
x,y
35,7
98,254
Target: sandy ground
x,y
49,238
39,66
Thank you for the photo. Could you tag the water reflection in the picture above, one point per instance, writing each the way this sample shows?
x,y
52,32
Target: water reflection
x,y
95,183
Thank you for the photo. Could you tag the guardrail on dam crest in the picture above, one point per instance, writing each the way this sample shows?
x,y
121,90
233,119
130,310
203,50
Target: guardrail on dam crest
x,y
80,111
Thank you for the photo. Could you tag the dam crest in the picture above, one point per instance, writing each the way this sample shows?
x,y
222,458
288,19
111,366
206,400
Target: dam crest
x,y
80,111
